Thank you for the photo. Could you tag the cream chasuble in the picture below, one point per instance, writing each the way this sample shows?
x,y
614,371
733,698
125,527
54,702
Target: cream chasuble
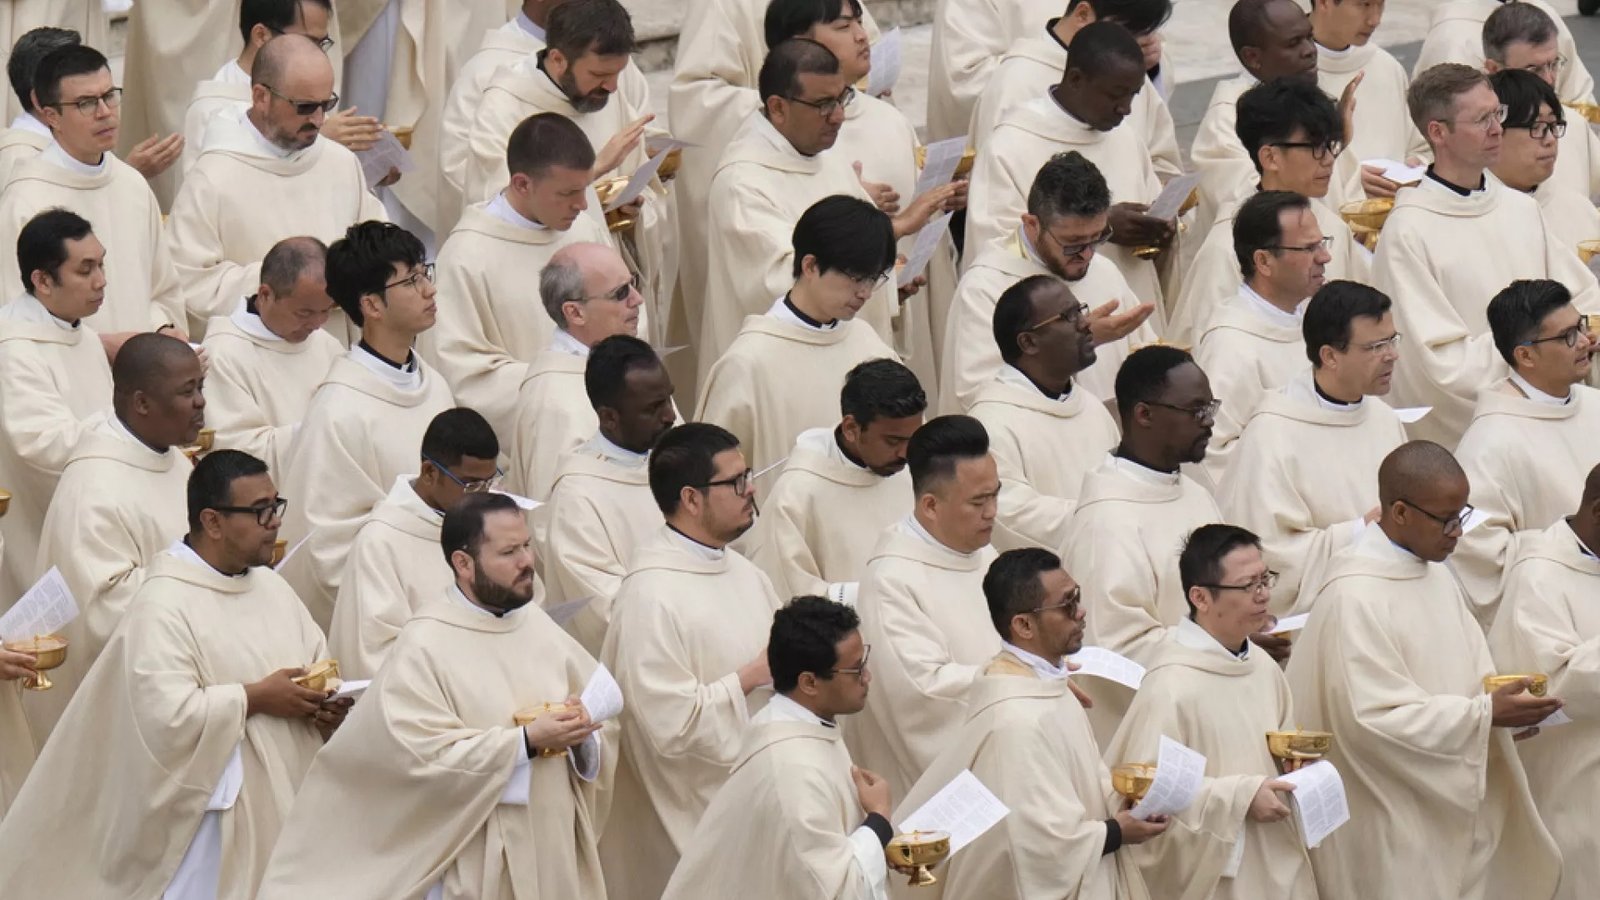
x,y
969,39
137,760
553,416
211,99
1303,477
1043,447
971,359
18,144
143,290
1383,127
1245,354
683,623
1027,739
1571,217
1548,623
117,506
922,609
1447,256
411,793
360,434
17,18
258,390
1578,158
395,568
752,390
57,384
1455,34
1221,706
824,515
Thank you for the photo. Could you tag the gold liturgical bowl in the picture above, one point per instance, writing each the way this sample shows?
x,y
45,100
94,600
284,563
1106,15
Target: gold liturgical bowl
x,y
321,676
1299,745
1588,250
1588,111
526,716
616,219
1189,202
279,548
669,166
402,133
48,651
5,501
1133,780
1540,685
916,853
202,444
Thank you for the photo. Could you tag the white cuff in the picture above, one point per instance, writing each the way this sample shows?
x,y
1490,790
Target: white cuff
x,y
517,786
586,758
868,852
226,793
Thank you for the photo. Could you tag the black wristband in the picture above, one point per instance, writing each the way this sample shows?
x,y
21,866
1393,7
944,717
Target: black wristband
x,y
1113,837
880,827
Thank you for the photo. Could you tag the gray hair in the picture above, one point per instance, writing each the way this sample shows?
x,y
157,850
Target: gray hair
x,y
561,282
289,259
1515,23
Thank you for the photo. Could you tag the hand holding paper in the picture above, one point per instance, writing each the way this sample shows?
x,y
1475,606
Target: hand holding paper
x,y
1179,775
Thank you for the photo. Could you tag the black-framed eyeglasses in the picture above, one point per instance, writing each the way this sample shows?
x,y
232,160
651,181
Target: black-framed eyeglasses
x,y
426,271
1322,243
740,483
88,105
1265,582
857,669
264,514
1076,249
1070,605
618,294
469,485
1541,130
1447,523
1073,313
305,107
1320,150
1205,412
828,107
323,43
1568,336
870,282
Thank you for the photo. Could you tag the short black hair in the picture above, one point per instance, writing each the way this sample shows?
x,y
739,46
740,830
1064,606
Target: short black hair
x,y
1013,313
1331,311
458,433
1259,225
605,374
276,15
1515,23
26,54
1012,585
804,638
144,359
846,235
1068,184
291,258
1143,376
1102,48
363,261
546,140
463,523
881,389
786,62
601,27
1247,23
63,63
1516,313
1523,93
683,458
1270,112
211,482
939,445
42,243
793,18
1138,16
1200,563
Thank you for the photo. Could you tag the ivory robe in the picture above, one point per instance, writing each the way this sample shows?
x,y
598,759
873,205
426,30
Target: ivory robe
x,y
553,416
1221,706
117,506
1578,158
1526,462
16,744
138,757
227,92
1245,355
1303,478
762,187
57,384
922,609
1572,217
681,627
239,200
1547,623
360,434
143,288
1455,34
1393,663
409,793
491,323
968,41
600,512
1027,739
1447,256
1042,447
752,390
395,568
1383,126
807,545
971,358
258,391
18,144
87,17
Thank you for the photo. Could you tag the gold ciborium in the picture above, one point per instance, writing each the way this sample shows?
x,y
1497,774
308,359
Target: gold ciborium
x,y
5,501
616,219
1539,687
669,166
1588,111
201,446
916,853
524,717
279,548
1366,218
402,133
964,165
321,676
1588,250
1189,202
48,652
1297,749
1133,780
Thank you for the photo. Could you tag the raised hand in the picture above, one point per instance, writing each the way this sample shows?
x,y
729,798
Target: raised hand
x,y
155,154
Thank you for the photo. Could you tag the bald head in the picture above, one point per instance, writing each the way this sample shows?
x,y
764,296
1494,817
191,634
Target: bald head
x,y
1415,468
580,289
291,75
288,55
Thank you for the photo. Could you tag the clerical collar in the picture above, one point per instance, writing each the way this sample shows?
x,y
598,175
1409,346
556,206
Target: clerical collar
x,y
785,310
909,525
1483,182
407,377
267,148
1329,52
1042,667
1138,471
28,122
563,342
31,309
700,551
1051,93
180,548
1012,375
460,598
787,710
530,29
410,365
232,73
1029,249
502,209
1191,635
1582,547
1272,313
770,133
615,453
843,452
1328,401
247,320
1380,541
1536,395
123,431
58,155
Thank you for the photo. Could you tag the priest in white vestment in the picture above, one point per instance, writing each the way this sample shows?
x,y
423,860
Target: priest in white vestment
x,y
921,603
1535,143
1455,34
968,41
489,334
601,509
471,768
57,381
26,133
391,572
1392,663
1025,737
190,725
86,18
1208,689
119,503
687,643
1301,477
368,416
858,465
269,355
796,820
264,174
1533,437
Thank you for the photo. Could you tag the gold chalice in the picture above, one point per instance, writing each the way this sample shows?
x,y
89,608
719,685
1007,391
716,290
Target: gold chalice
x,y
1189,202
1540,685
969,157
48,652
1133,780
1588,250
616,219
669,166
1588,111
279,548
916,853
402,133
1297,749
321,676
524,717
201,446
5,501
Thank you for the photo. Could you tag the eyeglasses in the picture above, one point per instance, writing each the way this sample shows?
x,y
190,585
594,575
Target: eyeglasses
x,y
856,670
827,108
264,514
1388,343
1541,130
1073,313
1320,150
1486,121
619,294
1569,336
1075,249
1552,68
472,485
1322,243
426,272
1266,582
89,105
870,282
305,107
1447,523
1070,604
323,43
1205,412
740,483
